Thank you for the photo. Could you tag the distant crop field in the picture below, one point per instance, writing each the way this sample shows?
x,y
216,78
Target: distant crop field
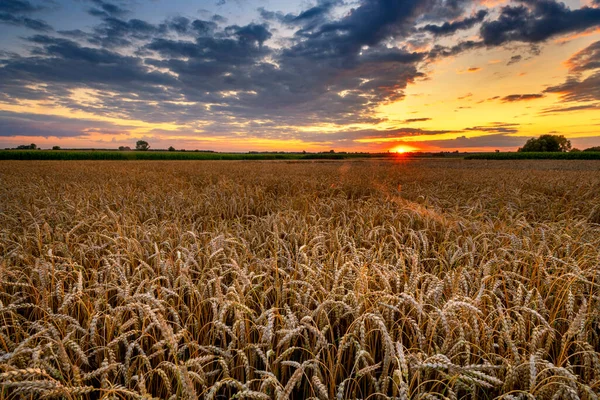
x,y
579,155
360,279
166,155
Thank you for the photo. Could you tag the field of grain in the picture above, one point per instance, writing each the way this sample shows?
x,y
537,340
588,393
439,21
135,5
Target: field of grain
x,y
425,279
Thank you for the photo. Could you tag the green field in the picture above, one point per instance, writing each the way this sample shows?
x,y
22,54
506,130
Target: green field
x,y
580,155
164,155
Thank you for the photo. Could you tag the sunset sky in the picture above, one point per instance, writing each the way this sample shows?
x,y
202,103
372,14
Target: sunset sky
x,y
314,75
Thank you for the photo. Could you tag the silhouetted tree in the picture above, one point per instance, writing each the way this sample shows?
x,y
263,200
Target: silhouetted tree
x,y
547,143
142,145
31,146
596,148
171,148
55,147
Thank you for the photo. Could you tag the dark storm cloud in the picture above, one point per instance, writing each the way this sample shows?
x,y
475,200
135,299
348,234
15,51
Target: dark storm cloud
x,y
270,15
391,55
18,20
537,20
207,54
187,71
17,13
521,97
219,19
115,32
307,19
369,24
17,7
439,51
324,75
449,28
106,9
25,124
65,63
203,28
335,53
445,10
180,25
252,33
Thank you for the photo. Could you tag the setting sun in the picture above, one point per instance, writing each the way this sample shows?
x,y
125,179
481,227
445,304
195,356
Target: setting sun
x,y
403,149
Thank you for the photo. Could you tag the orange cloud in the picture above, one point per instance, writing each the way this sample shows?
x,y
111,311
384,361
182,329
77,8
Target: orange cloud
x,y
566,39
470,70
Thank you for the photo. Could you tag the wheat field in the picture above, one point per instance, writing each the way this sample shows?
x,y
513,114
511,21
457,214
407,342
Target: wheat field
x,y
425,279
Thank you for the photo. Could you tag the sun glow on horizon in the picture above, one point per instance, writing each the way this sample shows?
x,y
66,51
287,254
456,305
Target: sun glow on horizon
x,y
401,149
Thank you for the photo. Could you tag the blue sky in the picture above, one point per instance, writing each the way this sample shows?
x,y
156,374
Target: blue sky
x,y
299,75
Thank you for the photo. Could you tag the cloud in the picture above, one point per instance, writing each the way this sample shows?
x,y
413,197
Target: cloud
x,y
107,9
446,10
219,19
449,28
327,64
17,20
521,97
16,12
494,140
348,137
62,63
116,32
578,89
439,51
252,33
470,70
514,60
17,7
586,59
535,21
334,70
555,110
36,125
184,70
577,86
497,127
369,24
410,120
308,19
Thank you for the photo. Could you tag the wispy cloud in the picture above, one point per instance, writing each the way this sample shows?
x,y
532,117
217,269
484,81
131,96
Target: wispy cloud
x,y
521,97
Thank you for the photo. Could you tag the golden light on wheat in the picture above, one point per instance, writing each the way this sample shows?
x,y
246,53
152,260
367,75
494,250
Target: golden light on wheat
x,y
273,280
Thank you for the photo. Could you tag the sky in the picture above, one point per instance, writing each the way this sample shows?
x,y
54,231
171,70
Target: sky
x,y
299,75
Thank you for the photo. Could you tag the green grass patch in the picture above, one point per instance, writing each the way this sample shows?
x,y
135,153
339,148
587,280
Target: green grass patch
x,y
580,155
167,155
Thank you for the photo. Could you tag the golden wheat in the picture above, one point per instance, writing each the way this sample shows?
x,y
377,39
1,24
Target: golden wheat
x,y
426,279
